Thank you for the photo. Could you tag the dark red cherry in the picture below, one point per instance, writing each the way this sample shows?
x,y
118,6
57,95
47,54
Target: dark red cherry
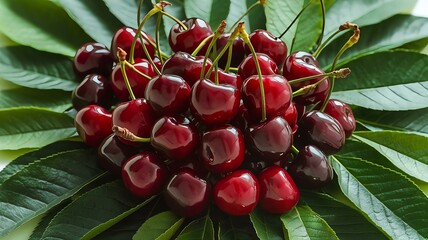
x,y
93,90
123,38
191,162
342,112
277,94
227,78
168,94
270,140
291,116
278,192
238,48
222,149
310,169
93,124
238,193
188,40
187,195
138,82
92,58
241,120
175,137
248,66
253,163
144,175
265,42
214,104
322,130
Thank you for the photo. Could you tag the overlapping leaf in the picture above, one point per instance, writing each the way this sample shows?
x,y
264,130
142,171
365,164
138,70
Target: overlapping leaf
x,y
211,11
201,228
233,228
54,100
267,226
161,226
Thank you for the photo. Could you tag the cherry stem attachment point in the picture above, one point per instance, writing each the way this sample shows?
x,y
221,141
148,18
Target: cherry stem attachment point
x,y
295,18
218,32
341,73
121,55
128,135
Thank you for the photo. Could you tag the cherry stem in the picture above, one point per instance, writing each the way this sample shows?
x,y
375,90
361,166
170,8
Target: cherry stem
x,y
128,135
322,46
294,149
121,55
175,19
136,70
244,14
140,5
229,58
341,73
202,44
149,58
158,23
215,68
233,69
217,34
304,90
295,19
164,55
319,41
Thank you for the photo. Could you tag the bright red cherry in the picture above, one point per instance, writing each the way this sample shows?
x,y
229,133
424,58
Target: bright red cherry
x,y
310,169
188,40
227,78
123,39
214,104
342,112
247,67
265,42
187,195
238,48
291,116
93,124
93,90
222,149
238,193
144,175
92,58
278,192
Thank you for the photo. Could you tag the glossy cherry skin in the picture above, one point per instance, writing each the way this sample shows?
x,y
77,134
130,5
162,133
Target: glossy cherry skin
x,y
188,40
123,38
322,130
175,137
93,90
137,116
227,78
186,66
278,192
93,124
222,149
187,195
168,94
214,104
138,83
248,68
265,42
270,140
277,94
237,194
342,112
310,168
238,48
92,58
144,174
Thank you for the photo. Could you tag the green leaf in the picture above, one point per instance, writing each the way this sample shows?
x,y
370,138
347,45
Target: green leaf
x,y
199,229
303,223
94,18
347,222
161,226
308,28
406,151
42,25
34,69
236,9
401,83
257,17
54,100
18,130
235,228
94,212
267,226
388,198
44,184
211,11
43,224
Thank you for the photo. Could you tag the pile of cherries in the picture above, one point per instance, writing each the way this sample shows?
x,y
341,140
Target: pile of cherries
x,y
184,128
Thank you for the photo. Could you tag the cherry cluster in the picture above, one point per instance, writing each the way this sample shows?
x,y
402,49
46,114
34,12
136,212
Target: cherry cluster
x,y
228,118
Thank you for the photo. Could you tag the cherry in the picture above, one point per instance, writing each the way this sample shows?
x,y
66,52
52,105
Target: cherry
x,y
214,104
238,193
92,58
322,130
93,90
241,120
291,115
227,78
278,192
342,112
310,168
187,195
265,42
123,39
238,48
192,162
175,137
248,66
222,149
168,94
144,175
277,94
270,140
253,163
93,124
188,40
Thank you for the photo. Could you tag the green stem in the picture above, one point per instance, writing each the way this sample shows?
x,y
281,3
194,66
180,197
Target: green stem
x,y
202,44
304,90
125,77
341,73
243,15
175,19
229,58
233,69
322,46
149,58
128,135
295,19
212,43
136,70
140,5
294,149
319,41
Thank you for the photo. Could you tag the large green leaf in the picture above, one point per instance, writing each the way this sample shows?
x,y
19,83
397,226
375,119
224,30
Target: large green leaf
x,y
257,17
211,11
347,222
161,226
199,229
94,18
308,28
303,223
388,198
267,226
42,25
393,80
31,68
43,224
54,100
406,151
43,184
235,228
236,10
33,127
